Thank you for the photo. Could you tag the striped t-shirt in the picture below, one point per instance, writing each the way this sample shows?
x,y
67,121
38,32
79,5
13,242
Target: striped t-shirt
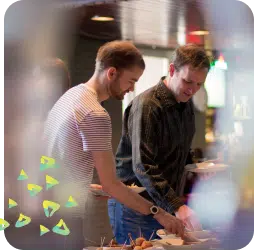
x,y
76,126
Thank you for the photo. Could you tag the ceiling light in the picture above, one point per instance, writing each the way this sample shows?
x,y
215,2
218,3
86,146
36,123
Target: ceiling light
x,y
102,18
199,33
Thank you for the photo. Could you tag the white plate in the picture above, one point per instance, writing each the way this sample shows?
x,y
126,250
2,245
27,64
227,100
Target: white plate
x,y
175,244
206,167
99,192
201,235
108,248
166,246
128,247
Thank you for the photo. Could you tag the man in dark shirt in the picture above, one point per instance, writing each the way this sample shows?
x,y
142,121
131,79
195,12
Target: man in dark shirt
x,y
158,129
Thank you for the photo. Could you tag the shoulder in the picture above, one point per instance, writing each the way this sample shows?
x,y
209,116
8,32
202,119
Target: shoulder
x,y
86,105
148,99
97,117
96,122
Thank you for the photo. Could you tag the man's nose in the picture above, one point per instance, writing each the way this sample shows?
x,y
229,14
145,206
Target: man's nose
x,y
131,88
190,91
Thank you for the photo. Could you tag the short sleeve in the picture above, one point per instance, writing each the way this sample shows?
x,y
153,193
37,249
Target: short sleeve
x,y
96,132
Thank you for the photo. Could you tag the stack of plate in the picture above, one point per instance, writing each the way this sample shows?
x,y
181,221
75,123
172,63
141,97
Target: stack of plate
x,y
170,241
206,167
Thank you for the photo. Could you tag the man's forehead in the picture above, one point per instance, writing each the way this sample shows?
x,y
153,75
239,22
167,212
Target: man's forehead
x,y
133,72
188,70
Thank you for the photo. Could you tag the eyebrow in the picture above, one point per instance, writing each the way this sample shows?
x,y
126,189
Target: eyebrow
x,y
134,79
188,80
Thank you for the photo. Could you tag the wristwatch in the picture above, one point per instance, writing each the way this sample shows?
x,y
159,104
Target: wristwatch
x,y
154,210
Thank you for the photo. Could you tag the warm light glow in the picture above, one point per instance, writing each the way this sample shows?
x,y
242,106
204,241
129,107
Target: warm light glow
x,y
221,64
221,58
199,33
102,19
209,137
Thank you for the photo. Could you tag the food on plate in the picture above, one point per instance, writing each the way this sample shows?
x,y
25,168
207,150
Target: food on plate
x,y
161,232
168,243
133,185
139,244
188,236
138,248
113,243
139,241
118,247
146,244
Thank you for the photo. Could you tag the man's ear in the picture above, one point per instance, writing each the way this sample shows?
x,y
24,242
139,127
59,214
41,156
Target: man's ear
x,y
111,73
171,69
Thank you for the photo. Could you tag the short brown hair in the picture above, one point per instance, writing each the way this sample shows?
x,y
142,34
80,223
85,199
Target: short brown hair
x,y
118,54
191,54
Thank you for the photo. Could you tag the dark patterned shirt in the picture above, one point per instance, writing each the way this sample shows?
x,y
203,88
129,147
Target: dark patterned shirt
x,y
156,140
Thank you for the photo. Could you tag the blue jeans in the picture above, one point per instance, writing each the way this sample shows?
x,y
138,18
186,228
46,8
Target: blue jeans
x,y
124,221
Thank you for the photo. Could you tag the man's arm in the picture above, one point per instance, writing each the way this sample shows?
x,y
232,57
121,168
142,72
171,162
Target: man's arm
x,y
144,128
105,165
145,132
95,131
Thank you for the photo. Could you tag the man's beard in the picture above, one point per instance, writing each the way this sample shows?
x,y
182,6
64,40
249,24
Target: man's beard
x,y
119,96
116,91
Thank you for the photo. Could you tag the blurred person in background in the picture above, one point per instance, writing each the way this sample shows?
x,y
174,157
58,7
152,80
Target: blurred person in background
x,y
158,129
51,79
78,136
37,89
241,230
30,31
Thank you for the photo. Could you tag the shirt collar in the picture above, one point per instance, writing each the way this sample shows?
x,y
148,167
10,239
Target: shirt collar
x,y
165,94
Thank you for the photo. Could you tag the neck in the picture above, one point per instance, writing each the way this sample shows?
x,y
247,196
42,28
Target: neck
x,y
167,82
99,86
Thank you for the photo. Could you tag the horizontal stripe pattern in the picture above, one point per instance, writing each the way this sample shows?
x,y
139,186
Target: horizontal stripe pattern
x,y
76,126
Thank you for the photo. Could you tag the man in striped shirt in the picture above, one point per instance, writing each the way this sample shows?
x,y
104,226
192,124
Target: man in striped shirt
x,y
78,135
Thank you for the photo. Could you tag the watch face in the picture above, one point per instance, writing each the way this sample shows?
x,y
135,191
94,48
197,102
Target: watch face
x,y
154,210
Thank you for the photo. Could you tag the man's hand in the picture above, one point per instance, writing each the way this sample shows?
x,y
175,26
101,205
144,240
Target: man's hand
x,y
189,218
170,223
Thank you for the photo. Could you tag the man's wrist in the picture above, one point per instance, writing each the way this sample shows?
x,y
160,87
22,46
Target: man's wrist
x,y
154,210
159,214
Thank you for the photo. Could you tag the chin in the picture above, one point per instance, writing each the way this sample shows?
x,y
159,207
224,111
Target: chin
x,y
185,99
119,97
